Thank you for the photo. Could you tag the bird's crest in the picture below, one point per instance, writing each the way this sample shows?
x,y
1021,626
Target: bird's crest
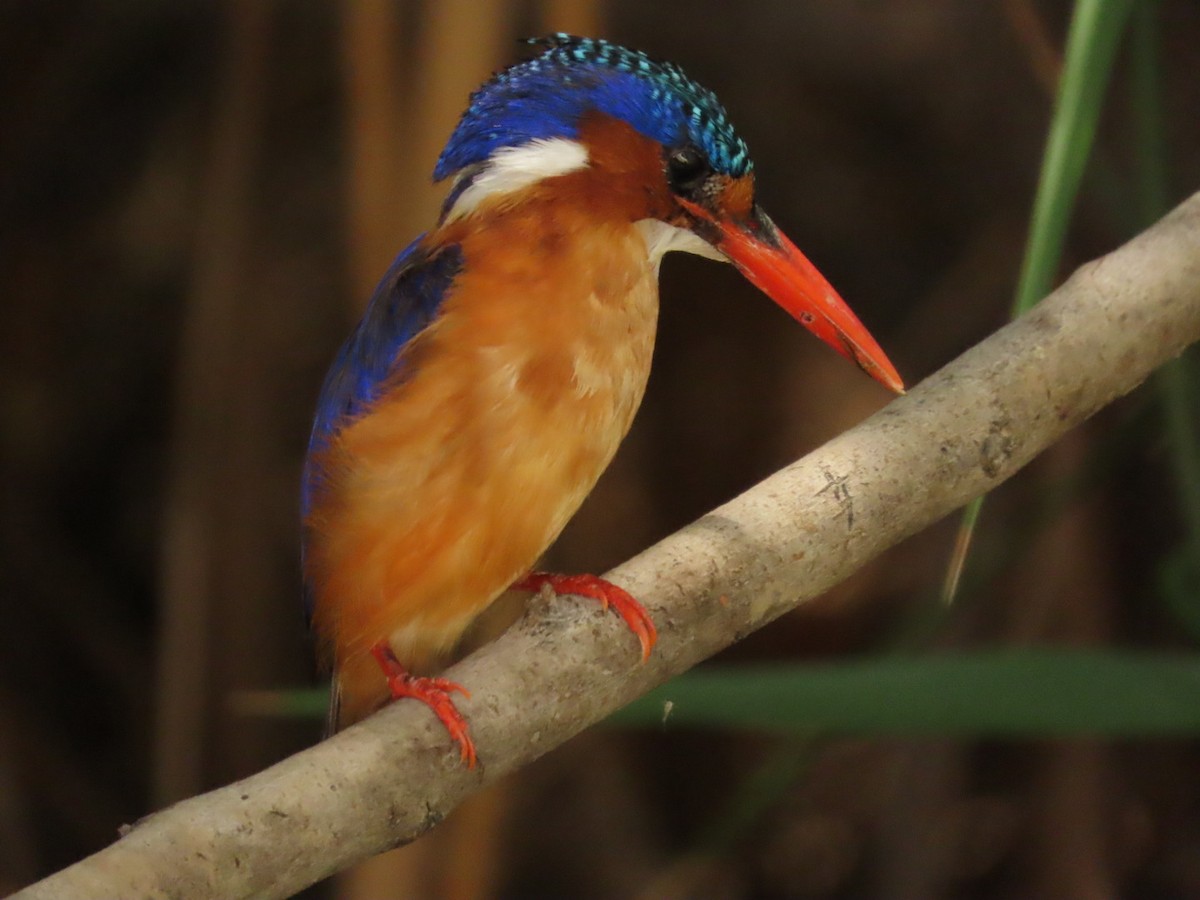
x,y
544,98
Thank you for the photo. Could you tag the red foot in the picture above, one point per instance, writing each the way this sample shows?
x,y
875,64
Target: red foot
x,y
433,692
608,594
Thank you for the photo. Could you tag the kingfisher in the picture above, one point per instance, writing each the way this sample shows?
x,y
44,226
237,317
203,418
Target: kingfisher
x,y
503,355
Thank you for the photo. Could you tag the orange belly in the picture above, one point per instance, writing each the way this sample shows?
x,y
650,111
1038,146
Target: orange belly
x,y
458,479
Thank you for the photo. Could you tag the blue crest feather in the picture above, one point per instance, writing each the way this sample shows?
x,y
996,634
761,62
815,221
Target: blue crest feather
x,y
545,97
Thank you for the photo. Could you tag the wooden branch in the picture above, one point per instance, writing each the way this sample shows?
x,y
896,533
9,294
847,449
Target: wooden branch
x,y
567,665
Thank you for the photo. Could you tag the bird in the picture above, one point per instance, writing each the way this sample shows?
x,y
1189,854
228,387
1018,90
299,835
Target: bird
x,y
504,353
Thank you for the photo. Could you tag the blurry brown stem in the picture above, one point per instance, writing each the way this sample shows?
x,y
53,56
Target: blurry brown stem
x,y
1030,28
207,380
460,43
572,16
958,434
370,71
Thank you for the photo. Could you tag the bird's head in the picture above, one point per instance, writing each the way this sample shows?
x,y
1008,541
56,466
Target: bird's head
x,y
625,133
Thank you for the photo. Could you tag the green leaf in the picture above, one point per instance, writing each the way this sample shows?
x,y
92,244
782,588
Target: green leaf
x,y
1018,692
1178,382
1092,42
1179,589
1095,34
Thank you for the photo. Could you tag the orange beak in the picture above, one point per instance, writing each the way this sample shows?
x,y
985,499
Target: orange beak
x,y
777,267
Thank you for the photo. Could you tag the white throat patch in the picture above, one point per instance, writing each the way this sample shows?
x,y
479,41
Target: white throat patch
x,y
662,238
510,169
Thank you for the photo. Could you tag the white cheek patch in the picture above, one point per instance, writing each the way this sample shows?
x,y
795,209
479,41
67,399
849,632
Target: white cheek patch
x,y
512,169
661,238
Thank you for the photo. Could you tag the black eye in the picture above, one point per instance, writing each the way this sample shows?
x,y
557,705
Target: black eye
x,y
686,169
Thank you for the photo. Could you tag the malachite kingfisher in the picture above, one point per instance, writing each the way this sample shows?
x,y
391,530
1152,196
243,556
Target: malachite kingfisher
x,y
503,356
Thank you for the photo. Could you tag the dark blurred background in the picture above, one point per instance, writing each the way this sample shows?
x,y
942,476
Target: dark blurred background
x,y
195,201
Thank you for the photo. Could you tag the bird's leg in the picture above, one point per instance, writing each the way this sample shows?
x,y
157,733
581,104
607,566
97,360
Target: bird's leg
x,y
608,594
433,692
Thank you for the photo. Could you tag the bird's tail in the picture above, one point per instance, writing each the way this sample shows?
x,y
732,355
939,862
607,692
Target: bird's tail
x,y
335,707
358,690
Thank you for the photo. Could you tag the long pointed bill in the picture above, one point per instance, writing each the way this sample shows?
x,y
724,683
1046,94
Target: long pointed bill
x,y
777,267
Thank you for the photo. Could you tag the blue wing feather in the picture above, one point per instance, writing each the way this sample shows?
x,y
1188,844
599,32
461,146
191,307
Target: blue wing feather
x,y
404,303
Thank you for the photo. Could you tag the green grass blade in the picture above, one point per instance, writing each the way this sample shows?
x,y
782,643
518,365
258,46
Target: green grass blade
x,y
1006,692
1092,42
1178,382
298,703
1149,131
758,793
1001,693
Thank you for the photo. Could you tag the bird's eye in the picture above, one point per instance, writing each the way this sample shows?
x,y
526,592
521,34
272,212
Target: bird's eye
x,y
686,169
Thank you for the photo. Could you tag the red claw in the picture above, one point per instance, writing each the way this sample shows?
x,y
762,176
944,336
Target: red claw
x,y
596,588
433,692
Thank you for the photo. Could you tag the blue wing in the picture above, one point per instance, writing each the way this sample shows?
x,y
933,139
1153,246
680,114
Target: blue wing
x,y
404,303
